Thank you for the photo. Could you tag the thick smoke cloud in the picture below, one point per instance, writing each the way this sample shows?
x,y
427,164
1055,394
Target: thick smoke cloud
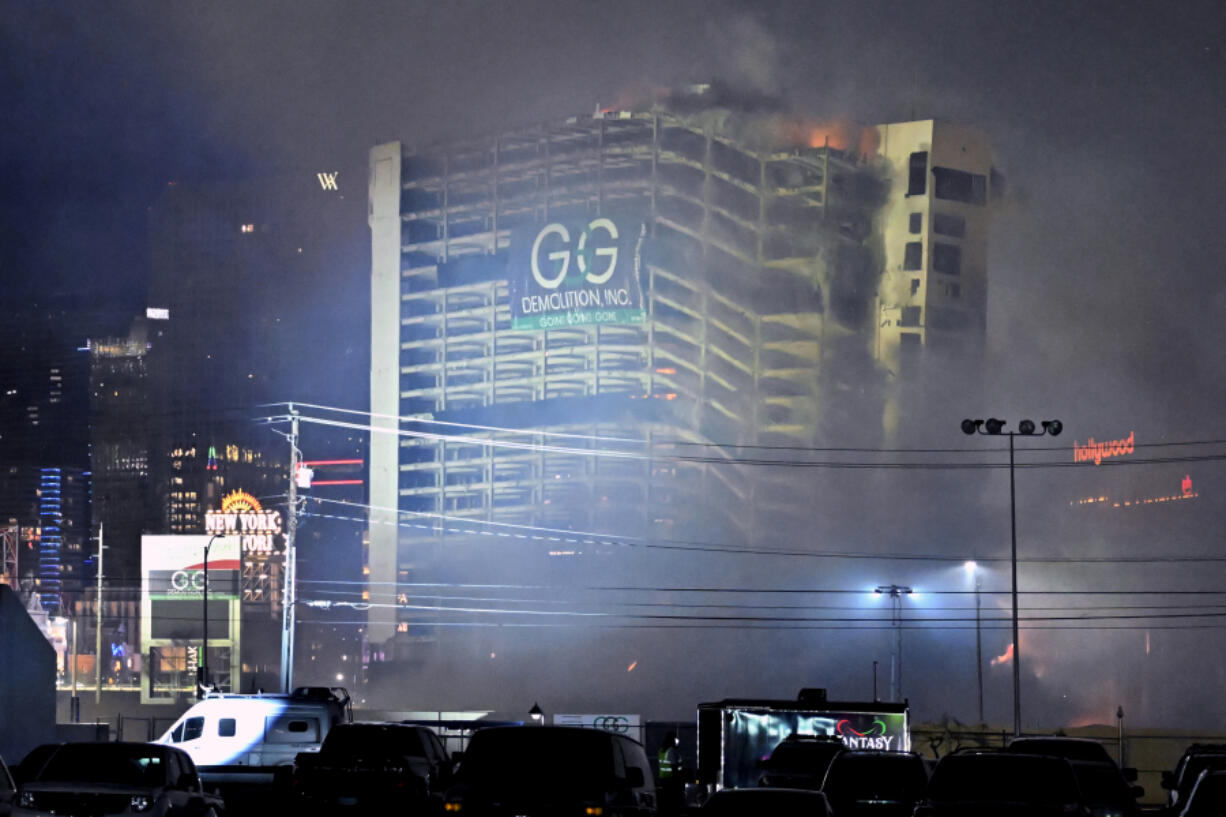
x,y
1104,297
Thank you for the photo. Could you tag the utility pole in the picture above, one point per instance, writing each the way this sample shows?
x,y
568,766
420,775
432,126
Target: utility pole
x,y
98,628
291,527
74,705
202,682
979,645
895,592
972,570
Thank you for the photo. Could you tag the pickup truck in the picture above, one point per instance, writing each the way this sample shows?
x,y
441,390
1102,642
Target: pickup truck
x,y
372,765
117,778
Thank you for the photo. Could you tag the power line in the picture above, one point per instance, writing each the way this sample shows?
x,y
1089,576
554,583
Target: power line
x,y
685,443
560,535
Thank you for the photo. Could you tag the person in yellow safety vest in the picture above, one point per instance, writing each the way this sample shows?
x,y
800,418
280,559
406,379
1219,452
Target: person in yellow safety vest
x,y
669,765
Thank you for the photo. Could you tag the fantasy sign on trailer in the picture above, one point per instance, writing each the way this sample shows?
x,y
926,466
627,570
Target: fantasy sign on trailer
x,y
578,274
752,732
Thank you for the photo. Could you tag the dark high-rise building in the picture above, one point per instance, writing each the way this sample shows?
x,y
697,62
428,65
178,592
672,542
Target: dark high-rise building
x,y
260,292
121,416
44,446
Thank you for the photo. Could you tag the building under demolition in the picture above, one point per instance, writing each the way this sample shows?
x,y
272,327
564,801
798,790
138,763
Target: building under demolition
x,y
660,285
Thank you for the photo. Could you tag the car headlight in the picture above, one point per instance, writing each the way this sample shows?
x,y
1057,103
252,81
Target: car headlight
x,y
140,802
453,807
26,800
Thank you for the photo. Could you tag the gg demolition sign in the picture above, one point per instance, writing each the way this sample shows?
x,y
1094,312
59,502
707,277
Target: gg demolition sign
x,y
242,514
575,274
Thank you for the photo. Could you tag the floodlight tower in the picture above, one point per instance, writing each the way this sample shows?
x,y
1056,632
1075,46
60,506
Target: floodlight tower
x,y
1025,428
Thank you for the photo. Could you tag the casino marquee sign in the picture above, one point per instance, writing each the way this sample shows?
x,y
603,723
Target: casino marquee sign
x,y
241,514
574,274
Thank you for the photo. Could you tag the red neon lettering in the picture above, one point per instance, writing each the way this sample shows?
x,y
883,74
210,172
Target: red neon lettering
x,y
1096,452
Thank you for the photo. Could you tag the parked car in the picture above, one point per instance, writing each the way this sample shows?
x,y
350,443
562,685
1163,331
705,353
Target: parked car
x,y
8,790
800,762
32,763
1001,784
764,801
373,765
870,782
1073,749
1196,758
116,778
1104,791
535,770
1058,746
1208,795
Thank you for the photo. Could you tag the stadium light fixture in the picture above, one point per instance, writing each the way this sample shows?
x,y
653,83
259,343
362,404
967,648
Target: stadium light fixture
x,y
1026,428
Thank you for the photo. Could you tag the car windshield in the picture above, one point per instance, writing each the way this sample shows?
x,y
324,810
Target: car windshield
x,y
118,764
1068,749
1102,784
370,739
898,778
1197,764
537,757
1209,796
754,802
803,755
1003,778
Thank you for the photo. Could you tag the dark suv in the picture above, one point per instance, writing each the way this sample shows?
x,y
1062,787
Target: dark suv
x,y
800,762
881,784
116,778
369,765
1002,784
1196,758
552,770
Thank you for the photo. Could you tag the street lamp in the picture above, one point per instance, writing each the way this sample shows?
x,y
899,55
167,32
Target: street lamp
x,y
1025,428
203,670
972,570
895,592
535,713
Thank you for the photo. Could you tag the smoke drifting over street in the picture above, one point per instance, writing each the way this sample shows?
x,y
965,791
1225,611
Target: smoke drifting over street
x,y
1103,310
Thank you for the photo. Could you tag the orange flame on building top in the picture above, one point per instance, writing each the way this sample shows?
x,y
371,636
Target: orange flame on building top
x,y
841,135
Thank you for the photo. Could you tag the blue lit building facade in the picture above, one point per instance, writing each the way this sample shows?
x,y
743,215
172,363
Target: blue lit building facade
x,y
62,536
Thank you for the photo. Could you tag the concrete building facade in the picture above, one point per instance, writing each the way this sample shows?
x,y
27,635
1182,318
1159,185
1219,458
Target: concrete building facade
x,y
756,258
934,229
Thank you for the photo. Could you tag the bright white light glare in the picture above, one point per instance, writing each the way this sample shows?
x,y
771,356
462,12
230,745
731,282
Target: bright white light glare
x,y
340,676
970,566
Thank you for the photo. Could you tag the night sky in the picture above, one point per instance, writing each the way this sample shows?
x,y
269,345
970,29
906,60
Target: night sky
x,y
1106,290
1106,119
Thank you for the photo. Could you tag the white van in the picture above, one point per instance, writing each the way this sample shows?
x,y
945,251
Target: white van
x,y
246,738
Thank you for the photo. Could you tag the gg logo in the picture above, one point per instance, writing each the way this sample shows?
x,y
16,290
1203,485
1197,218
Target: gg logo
x,y
583,252
184,580
612,723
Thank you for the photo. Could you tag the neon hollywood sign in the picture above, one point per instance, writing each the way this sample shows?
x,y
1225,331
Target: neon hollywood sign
x,y
1096,452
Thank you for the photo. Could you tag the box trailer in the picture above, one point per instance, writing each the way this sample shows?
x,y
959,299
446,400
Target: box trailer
x,y
736,734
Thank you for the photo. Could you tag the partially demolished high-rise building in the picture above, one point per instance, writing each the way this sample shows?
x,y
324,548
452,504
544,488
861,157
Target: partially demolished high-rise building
x,y
656,284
